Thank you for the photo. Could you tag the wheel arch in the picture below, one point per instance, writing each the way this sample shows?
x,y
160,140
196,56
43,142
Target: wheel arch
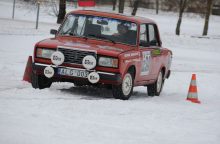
x,y
132,69
163,69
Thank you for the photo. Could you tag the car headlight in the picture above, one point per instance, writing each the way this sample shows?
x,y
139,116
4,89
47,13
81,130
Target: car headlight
x,y
44,53
108,62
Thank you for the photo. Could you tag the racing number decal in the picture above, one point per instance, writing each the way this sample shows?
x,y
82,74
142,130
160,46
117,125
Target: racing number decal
x,y
145,66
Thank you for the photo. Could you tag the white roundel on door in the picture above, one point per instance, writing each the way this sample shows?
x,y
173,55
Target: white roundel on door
x,y
89,62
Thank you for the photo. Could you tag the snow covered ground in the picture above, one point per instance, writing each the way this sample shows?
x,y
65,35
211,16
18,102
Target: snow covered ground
x,y
66,114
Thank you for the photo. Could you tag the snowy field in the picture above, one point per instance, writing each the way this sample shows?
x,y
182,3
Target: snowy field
x,y
65,114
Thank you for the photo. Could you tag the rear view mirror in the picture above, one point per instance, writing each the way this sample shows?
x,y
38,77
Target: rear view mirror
x,y
53,31
102,22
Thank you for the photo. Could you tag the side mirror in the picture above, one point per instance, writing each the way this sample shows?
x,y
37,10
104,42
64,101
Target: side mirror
x,y
144,44
53,31
153,43
102,22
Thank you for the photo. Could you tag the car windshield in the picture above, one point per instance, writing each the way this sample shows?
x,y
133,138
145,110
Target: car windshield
x,y
97,27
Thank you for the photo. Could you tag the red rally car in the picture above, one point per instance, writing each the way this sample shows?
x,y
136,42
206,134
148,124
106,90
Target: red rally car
x,y
100,48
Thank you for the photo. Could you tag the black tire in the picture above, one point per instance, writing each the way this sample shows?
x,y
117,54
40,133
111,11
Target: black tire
x,y
119,92
154,89
40,81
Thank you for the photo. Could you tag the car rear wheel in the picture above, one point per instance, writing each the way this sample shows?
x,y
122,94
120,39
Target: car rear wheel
x,y
124,90
40,81
156,88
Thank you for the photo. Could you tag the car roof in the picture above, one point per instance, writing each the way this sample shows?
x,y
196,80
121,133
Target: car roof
x,y
135,19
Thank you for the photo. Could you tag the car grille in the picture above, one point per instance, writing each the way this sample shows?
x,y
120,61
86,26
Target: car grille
x,y
75,56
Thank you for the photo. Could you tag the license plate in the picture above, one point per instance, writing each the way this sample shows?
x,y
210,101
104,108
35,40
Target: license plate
x,y
73,72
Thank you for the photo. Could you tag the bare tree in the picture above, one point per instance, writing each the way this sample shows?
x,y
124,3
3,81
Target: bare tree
x,y
136,3
121,6
62,11
114,2
157,6
207,15
182,6
53,5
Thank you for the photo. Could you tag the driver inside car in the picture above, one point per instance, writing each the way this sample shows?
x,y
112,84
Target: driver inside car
x,y
121,36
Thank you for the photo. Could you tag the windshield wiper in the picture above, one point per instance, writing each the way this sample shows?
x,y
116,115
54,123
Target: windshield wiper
x,y
84,37
102,37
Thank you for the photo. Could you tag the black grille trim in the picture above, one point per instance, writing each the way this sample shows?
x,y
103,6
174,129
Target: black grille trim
x,y
75,56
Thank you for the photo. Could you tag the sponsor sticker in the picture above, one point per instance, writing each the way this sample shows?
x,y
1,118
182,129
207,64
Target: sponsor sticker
x,y
131,54
132,60
145,67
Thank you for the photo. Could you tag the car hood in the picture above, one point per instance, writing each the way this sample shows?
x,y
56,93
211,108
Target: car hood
x,y
101,47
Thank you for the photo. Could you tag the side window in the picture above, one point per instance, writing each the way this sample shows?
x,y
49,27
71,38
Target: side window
x,y
143,35
152,35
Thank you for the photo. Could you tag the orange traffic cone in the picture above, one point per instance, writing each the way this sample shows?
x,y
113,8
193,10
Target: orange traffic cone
x,y
28,70
192,93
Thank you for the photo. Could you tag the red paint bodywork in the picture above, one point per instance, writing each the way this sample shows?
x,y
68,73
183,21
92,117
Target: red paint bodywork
x,y
159,62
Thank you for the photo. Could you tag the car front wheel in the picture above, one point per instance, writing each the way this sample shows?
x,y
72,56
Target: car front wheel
x,y
124,90
40,81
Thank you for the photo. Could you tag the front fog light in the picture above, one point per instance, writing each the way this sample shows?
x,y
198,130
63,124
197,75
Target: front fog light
x,y
57,58
89,62
49,72
93,77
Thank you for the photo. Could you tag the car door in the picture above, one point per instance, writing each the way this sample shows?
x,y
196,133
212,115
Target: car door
x,y
149,47
156,50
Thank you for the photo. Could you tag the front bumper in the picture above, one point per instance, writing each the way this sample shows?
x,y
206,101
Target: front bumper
x,y
105,77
